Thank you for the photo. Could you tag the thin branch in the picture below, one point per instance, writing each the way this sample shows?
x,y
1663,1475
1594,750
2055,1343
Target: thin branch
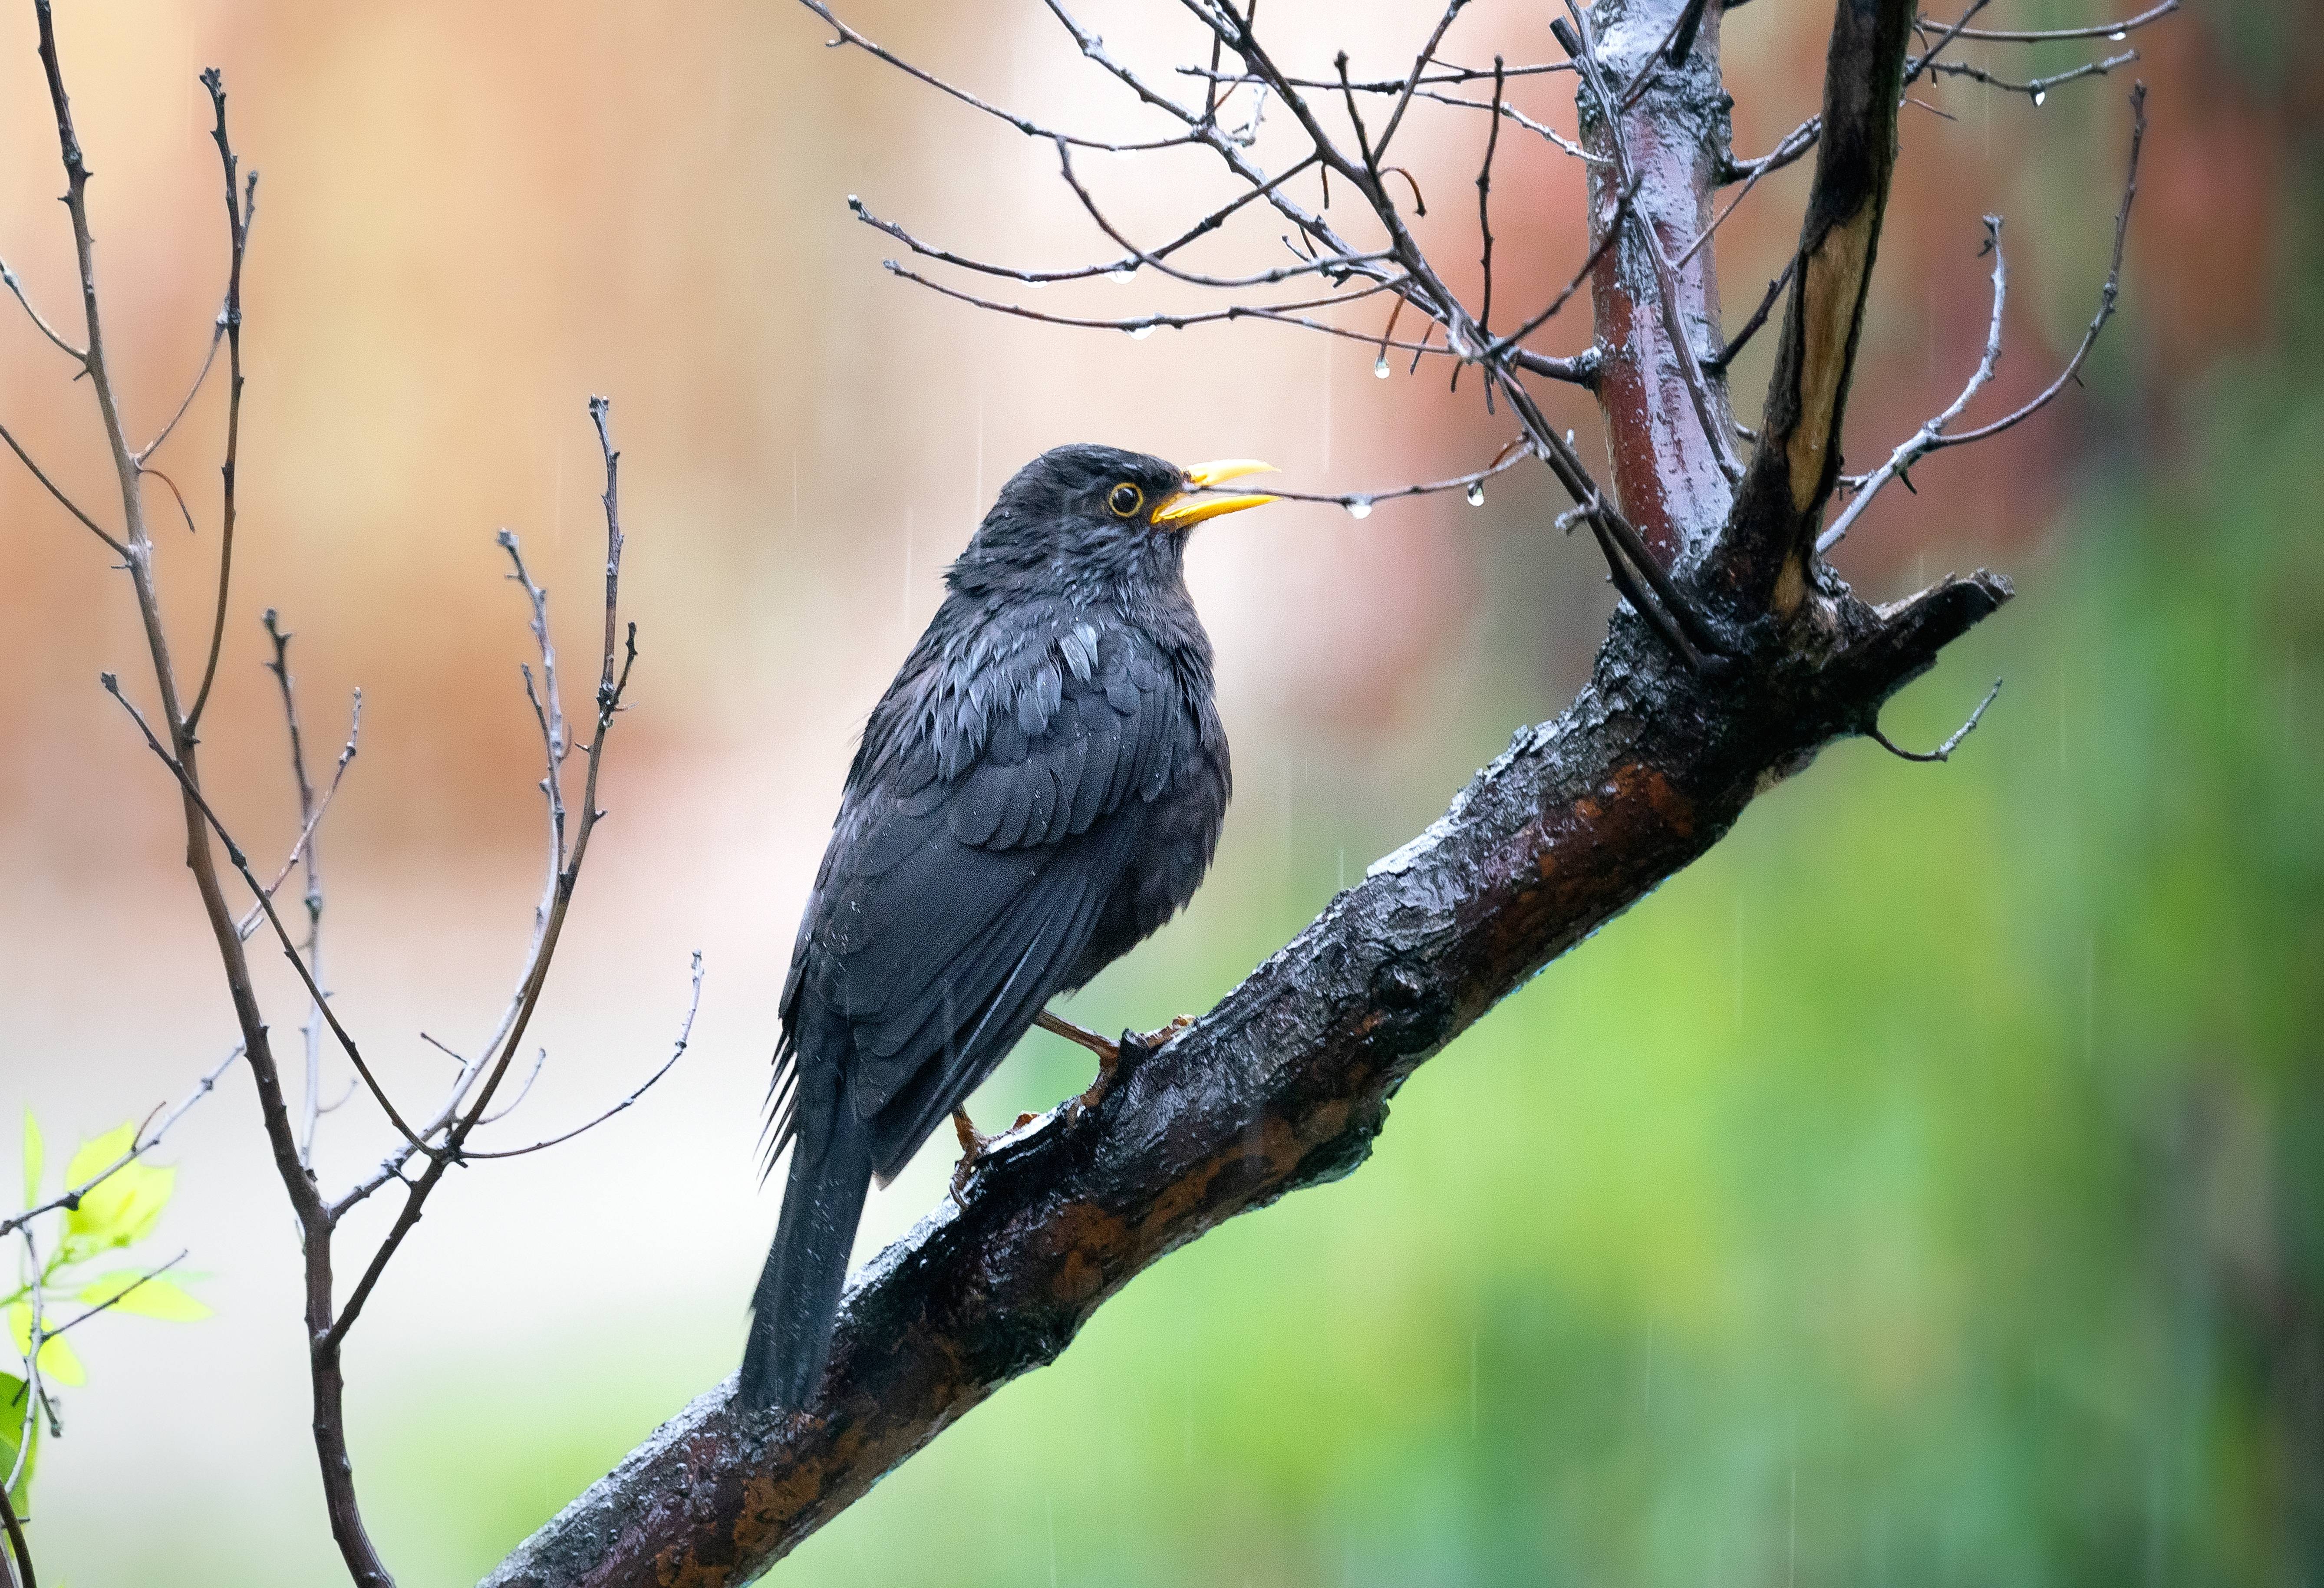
x,y
1735,344
147,471
240,863
2113,30
1361,503
1784,154
1143,324
1612,234
678,1051
2036,88
1485,207
611,687
209,358
310,816
67,503
22,1550
1925,440
1385,84
2108,294
144,1142
113,1301
8,278
1943,751
240,209
848,35
1412,80
312,812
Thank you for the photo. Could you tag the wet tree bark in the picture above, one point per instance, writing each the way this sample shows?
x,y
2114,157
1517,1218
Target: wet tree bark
x,y
1288,1082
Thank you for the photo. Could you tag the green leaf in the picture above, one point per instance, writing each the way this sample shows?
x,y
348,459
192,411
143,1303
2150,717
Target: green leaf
x,y
155,1297
13,1424
32,1161
121,1207
58,1363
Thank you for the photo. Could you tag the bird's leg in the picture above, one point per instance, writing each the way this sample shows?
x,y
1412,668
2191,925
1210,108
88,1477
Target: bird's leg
x,y
972,1148
1134,1045
1107,1052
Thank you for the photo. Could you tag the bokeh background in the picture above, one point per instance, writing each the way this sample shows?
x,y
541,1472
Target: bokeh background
x,y
1927,1187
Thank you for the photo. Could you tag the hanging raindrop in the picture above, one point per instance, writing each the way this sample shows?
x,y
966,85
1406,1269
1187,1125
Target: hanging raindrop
x,y
1379,367
2119,34
1360,507
1475,493
2039,94
1034,286
1141,333
1124,153
1121,273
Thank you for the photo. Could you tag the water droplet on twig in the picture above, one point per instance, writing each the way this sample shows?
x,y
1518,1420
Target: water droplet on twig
x,y
1141,333
2039,94
1475,493
1379,367
2119,34
1121,273
1360,507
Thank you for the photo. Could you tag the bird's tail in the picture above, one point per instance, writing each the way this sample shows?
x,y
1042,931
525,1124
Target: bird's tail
x,y
797,1297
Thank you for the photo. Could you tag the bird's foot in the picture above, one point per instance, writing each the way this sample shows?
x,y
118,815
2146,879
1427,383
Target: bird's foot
x,y
973,1146
1116,1058
1160,1036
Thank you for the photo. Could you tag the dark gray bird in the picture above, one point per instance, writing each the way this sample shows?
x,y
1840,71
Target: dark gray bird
x,y
1041,787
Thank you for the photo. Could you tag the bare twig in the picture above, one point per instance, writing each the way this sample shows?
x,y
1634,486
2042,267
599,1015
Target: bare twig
x,y
2108,293
115,1299
147,1138
2037,89
1943,751
1750,328
611,686
1926,439
21,1551
2115,30
240,863
67,503
202,376
241,209
304,847
8,278
310,816
678,1051
1471,483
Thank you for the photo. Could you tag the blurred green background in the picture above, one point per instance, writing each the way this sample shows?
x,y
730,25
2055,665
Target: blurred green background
x,y
1925,1188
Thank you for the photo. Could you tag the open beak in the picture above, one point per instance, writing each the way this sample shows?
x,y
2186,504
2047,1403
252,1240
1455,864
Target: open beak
x,y
1184,512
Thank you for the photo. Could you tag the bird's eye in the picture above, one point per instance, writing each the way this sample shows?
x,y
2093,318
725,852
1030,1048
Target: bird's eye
x,y
1125,499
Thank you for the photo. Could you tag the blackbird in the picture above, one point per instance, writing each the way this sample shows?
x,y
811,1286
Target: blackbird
x,y
1041,787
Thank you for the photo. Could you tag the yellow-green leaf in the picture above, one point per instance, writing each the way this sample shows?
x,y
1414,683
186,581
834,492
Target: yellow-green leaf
x,y
155,1297
33,1150
58,1363
13,1426
121,1207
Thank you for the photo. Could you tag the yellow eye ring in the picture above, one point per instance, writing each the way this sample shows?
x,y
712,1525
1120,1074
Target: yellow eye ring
x,y
1124,500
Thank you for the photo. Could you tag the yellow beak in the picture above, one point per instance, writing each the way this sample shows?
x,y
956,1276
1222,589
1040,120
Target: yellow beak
x,y
1184,511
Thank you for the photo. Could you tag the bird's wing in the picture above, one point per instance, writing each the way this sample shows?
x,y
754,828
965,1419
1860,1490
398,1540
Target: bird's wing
x,y
980,838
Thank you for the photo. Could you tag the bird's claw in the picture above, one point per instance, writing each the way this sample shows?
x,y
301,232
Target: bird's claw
x,y
1133,1047
973,1146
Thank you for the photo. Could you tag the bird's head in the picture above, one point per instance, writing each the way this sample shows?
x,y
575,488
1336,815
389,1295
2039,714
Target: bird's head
x,y
1100,514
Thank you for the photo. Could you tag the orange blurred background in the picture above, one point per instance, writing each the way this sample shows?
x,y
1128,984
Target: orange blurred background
x,y
471,217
